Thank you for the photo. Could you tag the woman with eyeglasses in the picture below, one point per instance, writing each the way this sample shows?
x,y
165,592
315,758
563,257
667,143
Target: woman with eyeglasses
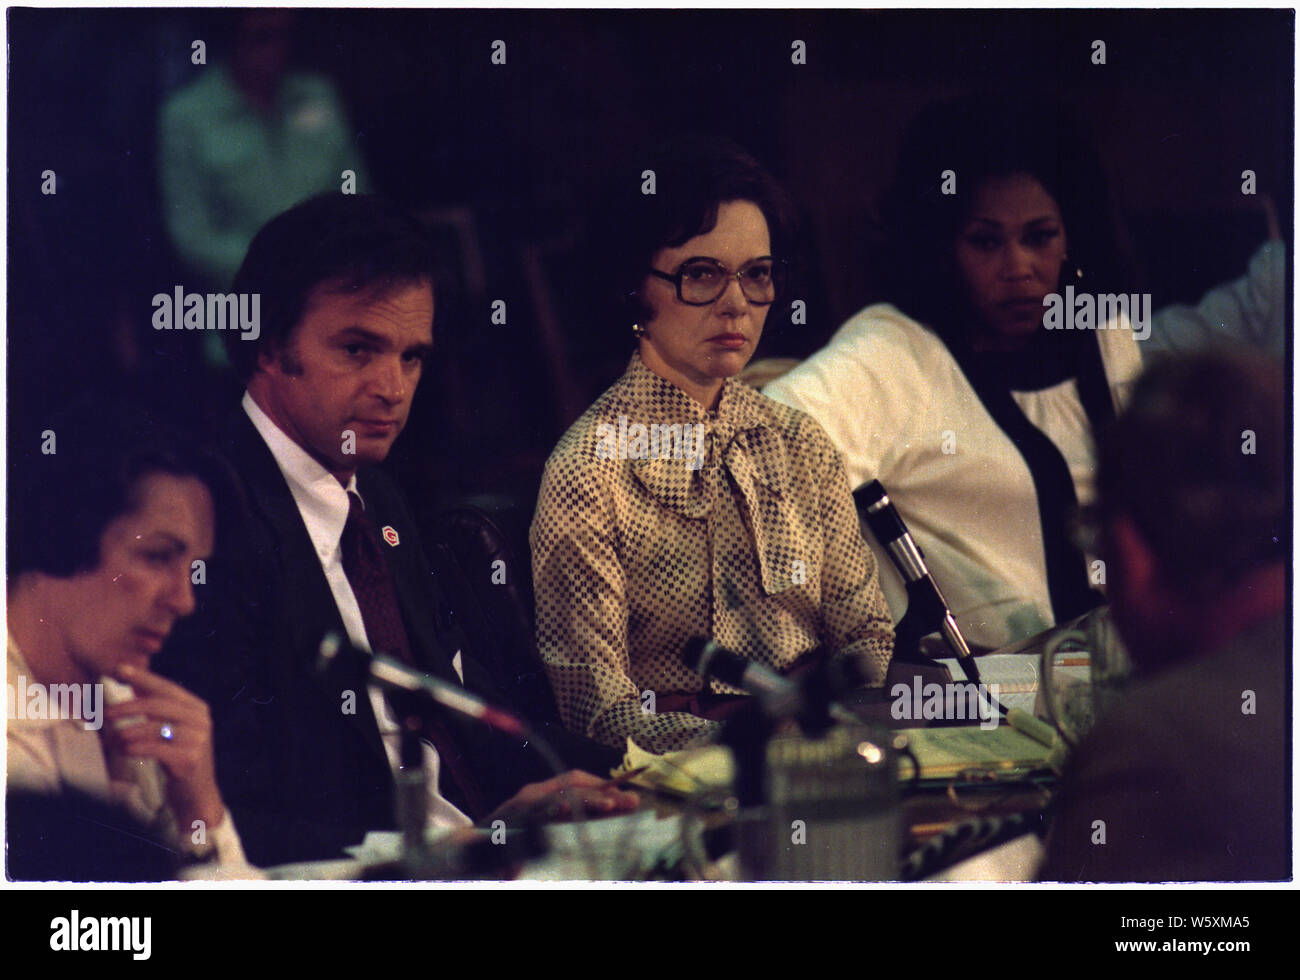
x,y
683,503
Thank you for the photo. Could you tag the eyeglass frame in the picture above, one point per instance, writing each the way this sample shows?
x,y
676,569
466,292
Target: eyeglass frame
x,y
676,278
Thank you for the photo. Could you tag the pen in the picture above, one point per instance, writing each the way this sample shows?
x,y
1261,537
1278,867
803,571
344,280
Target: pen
x,y
624,779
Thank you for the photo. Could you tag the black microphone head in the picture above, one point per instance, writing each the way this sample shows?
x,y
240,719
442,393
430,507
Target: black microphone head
x,y
874,504
331,645
708,659
848,673
693,652
869,493
340,661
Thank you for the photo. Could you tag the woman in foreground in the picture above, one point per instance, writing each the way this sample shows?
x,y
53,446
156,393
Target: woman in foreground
x,y
108,535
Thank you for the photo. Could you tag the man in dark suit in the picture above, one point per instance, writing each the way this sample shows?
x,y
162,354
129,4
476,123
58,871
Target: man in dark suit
x,y
1186,778
306,759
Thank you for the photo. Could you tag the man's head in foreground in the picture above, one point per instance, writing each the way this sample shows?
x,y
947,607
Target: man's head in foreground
x,y
346,286
1192,493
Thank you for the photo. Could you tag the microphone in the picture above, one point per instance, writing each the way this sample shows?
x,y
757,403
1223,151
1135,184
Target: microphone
x,y
778,696
397,676
924,598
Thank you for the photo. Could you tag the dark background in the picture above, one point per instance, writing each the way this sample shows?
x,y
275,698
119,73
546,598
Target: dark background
x,y
1186,101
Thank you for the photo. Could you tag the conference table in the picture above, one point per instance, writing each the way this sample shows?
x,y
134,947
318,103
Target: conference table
x,y
927,828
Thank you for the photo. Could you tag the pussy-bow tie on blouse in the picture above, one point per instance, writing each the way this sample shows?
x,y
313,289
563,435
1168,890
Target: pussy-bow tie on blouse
x,y
750,450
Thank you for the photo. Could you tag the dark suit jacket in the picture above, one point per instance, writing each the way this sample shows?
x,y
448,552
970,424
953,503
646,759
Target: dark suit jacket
x,y
302,774
1185,784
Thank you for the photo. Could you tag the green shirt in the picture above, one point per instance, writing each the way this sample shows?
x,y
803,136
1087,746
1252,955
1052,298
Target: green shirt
x,y
226,168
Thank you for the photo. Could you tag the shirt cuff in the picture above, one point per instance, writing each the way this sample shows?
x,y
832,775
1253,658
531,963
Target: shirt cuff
x,y
221,853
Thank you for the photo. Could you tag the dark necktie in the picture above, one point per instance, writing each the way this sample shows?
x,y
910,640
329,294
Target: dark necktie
x,y
372,584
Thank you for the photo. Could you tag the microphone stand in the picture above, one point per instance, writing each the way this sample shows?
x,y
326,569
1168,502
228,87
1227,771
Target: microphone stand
x,y
413,800
927,610
747,733
749,730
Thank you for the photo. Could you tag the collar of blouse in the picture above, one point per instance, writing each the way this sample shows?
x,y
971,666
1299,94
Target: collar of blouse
x,y
740,439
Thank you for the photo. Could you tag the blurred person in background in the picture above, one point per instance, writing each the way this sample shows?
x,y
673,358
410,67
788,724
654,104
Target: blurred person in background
x,y
248,138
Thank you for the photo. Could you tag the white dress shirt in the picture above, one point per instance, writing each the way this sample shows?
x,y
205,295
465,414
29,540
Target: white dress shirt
x,y
323,504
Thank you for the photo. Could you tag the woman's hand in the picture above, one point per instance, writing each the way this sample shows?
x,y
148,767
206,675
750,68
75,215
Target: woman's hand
x,y
555,799
175,728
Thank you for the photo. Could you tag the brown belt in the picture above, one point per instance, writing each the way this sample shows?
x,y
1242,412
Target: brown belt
x,y
720,707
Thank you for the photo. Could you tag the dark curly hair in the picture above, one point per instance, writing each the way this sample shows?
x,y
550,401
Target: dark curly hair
x,y
980,137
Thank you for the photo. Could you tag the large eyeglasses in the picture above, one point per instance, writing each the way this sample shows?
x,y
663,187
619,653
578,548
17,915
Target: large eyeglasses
x,y
701,281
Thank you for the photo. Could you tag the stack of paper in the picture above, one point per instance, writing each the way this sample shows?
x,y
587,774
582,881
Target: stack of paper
x,y
687,772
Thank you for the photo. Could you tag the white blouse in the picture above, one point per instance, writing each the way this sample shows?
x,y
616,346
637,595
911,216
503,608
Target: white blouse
x,y
896,403
50,755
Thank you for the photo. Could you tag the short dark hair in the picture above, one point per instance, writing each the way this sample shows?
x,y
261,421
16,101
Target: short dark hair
x,y
979,137
85,470
359,241
693,175
1199,463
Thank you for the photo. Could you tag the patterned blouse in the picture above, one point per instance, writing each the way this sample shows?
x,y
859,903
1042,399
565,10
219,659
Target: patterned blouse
x,y
659,521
